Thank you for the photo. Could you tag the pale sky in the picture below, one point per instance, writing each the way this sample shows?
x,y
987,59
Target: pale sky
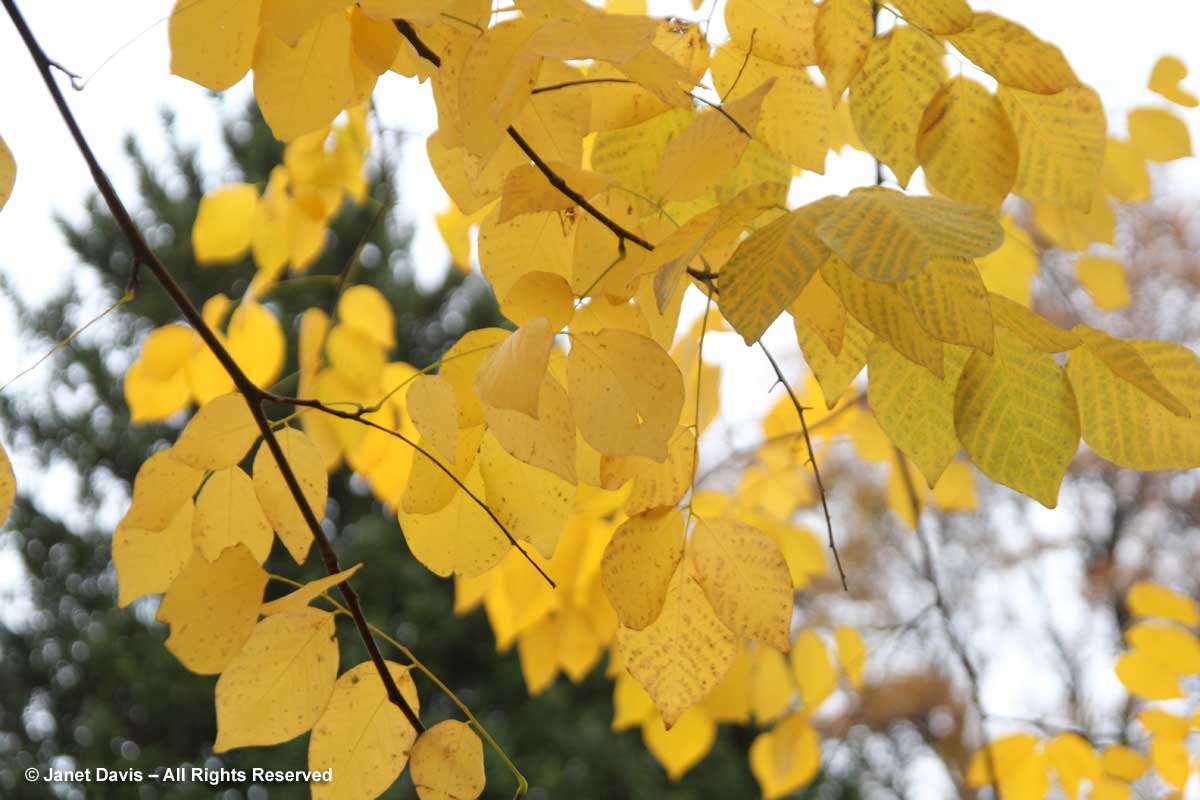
x,y
1111,44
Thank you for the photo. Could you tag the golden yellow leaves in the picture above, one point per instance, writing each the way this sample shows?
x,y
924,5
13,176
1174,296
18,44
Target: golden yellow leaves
x,y
447,763
639,563
843,33
1013,55
626,392
224,223
8,173
212,43
1165,78
275,495
361,736
967,146
901,75
280,681
1017,418
787,757
8,485
1159,134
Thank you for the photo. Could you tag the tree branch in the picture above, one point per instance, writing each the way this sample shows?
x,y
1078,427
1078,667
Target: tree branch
x,y
929,568
812,460
144,255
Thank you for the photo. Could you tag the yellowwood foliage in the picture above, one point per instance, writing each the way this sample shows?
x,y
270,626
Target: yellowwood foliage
x,y
553,469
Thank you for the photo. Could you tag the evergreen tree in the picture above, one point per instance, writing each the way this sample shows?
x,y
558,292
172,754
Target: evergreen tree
x,y
89,685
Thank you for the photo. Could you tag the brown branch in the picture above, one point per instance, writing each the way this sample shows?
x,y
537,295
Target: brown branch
x,y
579,82
357,416
929,568
812,460
145,256
623,234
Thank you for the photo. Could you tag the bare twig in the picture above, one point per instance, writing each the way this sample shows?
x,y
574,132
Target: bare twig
x,y
812,460
929,568
145,256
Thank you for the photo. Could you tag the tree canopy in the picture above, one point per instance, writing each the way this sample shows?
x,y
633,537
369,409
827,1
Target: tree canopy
x,y
623,184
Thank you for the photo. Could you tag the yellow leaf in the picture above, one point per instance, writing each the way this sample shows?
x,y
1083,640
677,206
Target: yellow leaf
x,y
430,483
915,407
1074,760
1164,725
1150,600
508,249
936,16
712,145
787,757
8,173
834,373
303,87
654,484
277,686
1031,327
887,236
460,364
433,408
885,310
212,608
533,504
1020,767
1124,174
290,19
539,294
537,647
684,745
156,385
684,654
376,42
852,654
638,564
626,393
630,155
771,685
1075,229
276,498
364,309
1171,760
361,735
631,705
212,41
951,302
224,223
1013,55
796,113
1061,137
1164,79
510,376
746,578
955,490
1147,677
147,561
227,513
729,701
447,763
1123,762
967,146
1159,134
257,343
527,190
901,75
1009,271
1017,417
843,36
1127,402
459,538
294,601
777,30
771,267
1123,358
1168,644
813,669
163,483
549,441
219,435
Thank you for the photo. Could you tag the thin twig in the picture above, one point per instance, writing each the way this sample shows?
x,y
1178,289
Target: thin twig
x,y
357,416
812,460
929,568
144,255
